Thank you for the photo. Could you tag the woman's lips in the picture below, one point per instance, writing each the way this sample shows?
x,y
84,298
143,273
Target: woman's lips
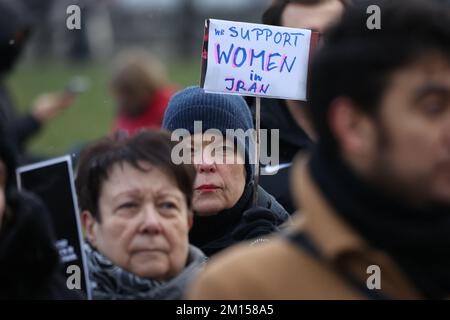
x,y
207,188
149,251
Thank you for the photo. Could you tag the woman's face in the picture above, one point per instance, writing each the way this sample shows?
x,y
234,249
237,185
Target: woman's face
x,y
2,191
144,222
217,186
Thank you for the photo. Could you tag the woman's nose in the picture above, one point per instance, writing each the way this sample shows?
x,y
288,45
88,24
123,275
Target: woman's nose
x,y
206,168
207,164
151,221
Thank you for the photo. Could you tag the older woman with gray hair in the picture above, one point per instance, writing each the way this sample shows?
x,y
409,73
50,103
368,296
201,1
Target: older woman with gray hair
x,y
136,212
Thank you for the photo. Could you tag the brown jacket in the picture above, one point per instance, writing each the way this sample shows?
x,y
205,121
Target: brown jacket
x,y
280,270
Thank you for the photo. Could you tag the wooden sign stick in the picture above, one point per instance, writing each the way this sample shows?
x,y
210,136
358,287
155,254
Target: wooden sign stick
x,y
257,147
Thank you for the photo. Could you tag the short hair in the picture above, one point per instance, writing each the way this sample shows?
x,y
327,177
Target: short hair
x,y
149,146
273,14
356,62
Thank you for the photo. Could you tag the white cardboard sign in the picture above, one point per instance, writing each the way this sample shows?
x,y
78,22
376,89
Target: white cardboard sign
x,y
255,59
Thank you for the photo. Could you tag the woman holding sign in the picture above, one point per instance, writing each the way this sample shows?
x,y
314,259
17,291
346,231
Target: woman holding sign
x,y
136,211
217,131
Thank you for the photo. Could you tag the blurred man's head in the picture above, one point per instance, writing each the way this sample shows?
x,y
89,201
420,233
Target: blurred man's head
x,y
15,26
381,98
316,15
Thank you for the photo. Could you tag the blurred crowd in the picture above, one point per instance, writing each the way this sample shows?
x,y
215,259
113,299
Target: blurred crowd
x,y
363,179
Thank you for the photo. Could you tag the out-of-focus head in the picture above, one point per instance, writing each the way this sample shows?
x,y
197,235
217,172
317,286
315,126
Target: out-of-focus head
x,y
316,15
223,166
380,99
15,27
136,204
136,76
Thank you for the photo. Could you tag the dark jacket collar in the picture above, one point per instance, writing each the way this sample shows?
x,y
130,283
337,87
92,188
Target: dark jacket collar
x,y
214,233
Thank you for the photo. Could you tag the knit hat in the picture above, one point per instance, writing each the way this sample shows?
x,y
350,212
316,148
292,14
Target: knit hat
x,y
215,111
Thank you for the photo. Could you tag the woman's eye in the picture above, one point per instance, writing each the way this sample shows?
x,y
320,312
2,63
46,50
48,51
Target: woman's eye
x,y
128,209
168,205
128,205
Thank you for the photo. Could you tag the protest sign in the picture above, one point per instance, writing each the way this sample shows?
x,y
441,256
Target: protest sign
x,y
53,182
256,60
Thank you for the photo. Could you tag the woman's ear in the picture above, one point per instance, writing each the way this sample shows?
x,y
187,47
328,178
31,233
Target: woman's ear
x,y
89,225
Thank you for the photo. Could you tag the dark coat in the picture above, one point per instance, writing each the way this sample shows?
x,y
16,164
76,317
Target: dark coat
x,y
242,222
29,261
275,115
15,27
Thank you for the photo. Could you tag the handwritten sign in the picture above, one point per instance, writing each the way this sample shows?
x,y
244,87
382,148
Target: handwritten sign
x,y
255,59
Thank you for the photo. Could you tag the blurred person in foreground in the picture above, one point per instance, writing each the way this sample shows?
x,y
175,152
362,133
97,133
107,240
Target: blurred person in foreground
x,y
375,192
224,211
136,209
291,117
142,91
29,261
15,29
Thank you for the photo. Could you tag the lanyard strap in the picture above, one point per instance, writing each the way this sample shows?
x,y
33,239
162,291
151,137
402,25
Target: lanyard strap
x,y
302,242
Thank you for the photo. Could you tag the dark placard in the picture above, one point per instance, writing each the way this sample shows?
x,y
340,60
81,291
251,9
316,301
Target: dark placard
x,y
53,182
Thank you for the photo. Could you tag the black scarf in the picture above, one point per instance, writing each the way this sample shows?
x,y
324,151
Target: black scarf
x,y
213,233
275,115
417,239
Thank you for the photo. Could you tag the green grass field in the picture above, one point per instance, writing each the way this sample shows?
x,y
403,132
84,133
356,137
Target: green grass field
x,y
91,115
